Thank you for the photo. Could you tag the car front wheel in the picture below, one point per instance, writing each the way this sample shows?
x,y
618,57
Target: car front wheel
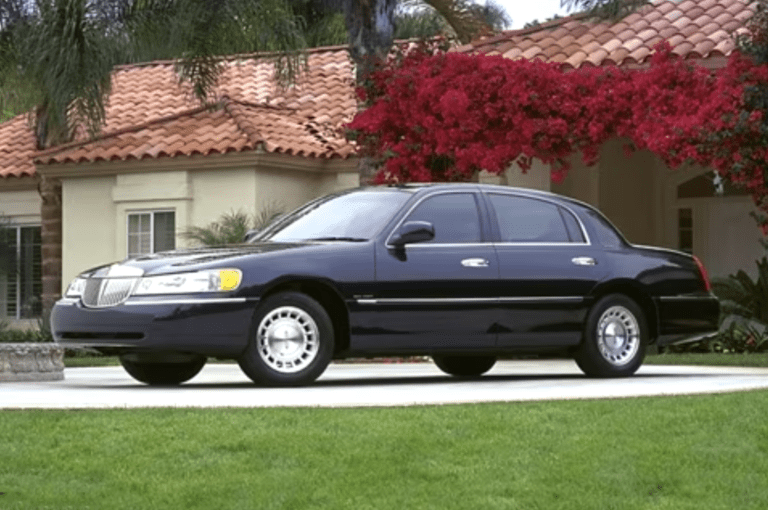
x,y
464,366
162,373
291,342
615,338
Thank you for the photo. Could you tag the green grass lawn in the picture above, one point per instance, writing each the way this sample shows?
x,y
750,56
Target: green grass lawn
x,y
695,452
694,358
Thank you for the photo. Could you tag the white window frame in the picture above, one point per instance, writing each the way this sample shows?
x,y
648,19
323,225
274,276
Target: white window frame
x,y
151,213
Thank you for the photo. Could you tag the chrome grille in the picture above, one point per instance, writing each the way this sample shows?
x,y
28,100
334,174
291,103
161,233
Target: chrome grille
x,y
102,292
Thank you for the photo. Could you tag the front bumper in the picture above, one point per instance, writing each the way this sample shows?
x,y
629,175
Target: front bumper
x,y
201,325
687,318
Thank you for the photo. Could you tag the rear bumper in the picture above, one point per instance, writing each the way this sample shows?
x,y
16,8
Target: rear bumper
x,y
687,318
212,327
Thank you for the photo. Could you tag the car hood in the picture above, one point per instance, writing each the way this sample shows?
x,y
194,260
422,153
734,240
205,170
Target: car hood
x,y
199,258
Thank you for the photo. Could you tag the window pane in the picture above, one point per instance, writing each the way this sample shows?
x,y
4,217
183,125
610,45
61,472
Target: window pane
x,y
528,220
30,273
9,254
454,216
139,240
21,273
685,229
165,231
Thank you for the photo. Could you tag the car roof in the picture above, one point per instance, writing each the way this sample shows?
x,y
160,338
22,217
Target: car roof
x,y
415,187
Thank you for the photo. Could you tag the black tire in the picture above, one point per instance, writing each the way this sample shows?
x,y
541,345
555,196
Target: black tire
x,y
620,350
161,373
291,341
464,366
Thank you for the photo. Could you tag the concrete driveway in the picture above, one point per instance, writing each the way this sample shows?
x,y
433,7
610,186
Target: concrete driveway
x,y
343,385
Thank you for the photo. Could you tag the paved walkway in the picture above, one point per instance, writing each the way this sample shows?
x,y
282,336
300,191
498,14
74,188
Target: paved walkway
x,y
223,385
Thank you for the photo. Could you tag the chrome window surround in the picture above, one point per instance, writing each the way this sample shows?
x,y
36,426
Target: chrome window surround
x,y
588,242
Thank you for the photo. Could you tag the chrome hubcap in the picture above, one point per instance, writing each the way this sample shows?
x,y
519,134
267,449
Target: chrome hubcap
x,y
288,339
618,335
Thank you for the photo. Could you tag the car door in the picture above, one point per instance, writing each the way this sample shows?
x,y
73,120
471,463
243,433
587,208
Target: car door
x,y
547,268
436,295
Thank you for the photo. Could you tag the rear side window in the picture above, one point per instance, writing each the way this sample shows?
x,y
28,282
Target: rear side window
x,y
527,220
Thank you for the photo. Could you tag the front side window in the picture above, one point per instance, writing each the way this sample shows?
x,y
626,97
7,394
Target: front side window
x,y
151,232
454,216
527,220
21,282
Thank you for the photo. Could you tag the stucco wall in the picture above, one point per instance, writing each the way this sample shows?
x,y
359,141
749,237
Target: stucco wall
x,y
88,219
627,191
96,208
20,206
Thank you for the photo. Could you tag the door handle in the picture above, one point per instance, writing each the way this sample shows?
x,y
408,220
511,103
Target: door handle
x,y
584,261
474,263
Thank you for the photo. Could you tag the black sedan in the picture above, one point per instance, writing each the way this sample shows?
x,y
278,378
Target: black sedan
x,y
462,273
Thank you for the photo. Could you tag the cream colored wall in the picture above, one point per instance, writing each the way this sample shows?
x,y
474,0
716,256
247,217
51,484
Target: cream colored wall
x,y
537,177
88,225
581,182
95,209
628,191
20,207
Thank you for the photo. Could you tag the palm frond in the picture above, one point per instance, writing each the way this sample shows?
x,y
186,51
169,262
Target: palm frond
x,y
605,9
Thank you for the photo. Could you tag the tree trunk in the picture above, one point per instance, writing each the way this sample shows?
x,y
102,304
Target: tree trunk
x,y
50,192
370,25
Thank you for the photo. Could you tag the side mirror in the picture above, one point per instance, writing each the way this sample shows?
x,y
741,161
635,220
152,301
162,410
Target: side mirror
x,y
413,232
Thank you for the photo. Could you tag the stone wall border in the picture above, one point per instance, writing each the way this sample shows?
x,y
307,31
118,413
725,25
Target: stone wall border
x,y
31,362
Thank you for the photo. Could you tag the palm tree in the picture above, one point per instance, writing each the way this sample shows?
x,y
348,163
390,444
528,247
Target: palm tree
x,y
415,19
232,227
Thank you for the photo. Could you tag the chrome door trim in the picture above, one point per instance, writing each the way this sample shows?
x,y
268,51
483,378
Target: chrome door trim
x,y
531,299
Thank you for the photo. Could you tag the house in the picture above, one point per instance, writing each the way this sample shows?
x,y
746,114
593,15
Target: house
x,y
649,202
164,162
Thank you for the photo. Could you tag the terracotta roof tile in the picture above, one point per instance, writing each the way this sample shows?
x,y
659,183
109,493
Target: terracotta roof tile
x,y
695,29
150,114
17,145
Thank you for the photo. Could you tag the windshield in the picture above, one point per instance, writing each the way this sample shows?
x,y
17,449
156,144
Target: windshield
x,y
351,216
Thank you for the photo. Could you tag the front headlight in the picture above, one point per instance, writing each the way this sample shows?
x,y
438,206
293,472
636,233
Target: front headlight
x,y
76,288
213,280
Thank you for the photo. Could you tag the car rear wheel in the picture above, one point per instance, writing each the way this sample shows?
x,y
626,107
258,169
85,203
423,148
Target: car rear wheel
x,y
162,373
291,342
615,338
464,366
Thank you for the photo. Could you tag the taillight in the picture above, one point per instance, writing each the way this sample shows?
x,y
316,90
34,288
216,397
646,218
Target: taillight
x,y
703,271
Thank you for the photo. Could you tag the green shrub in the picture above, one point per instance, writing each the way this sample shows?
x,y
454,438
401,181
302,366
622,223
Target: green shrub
x,y
740,295
737,335
23,335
